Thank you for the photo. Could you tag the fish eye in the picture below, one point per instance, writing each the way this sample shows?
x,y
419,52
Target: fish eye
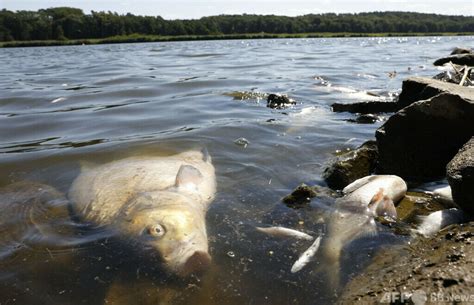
x,y
156,230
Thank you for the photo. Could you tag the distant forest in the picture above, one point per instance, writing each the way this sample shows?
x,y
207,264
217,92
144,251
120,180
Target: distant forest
x,y
64,23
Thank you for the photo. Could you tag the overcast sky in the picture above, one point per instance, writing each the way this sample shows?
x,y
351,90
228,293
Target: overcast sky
x,y
185,9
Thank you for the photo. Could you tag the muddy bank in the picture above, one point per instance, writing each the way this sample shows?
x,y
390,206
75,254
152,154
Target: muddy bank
x,y
437,269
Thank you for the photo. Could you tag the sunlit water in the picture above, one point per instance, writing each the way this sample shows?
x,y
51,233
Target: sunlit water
x,y
59,106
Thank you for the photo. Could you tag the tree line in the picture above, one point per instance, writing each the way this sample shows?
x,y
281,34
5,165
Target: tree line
x,y
63,23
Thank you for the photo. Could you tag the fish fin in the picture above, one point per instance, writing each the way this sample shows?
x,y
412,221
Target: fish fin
x,y
206,157
375,201
188,174
358,184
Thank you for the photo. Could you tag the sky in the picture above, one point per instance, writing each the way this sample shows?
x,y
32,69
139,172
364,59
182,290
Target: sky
x,y
192,9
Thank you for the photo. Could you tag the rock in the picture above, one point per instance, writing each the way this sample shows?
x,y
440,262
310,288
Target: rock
x,y
418,142
416,204
279,101
300,196
366,107
459,50
351,166
422,88
458,59
460,174
365,119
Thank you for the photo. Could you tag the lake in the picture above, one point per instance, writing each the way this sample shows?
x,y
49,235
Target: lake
x,y
60,106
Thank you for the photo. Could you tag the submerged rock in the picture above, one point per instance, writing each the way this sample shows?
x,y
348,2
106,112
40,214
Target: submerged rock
x,y
365,119
418,142
351,166
300,196
460,174
279,101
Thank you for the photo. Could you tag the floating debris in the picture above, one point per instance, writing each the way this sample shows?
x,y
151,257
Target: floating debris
x,y
231,254
242,142
247,95
279,101
61,99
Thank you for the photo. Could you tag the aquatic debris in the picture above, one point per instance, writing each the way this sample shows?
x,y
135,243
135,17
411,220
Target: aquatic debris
x,y
307,256
61,99
282,232
231,254
247,95
242,142
279,101
434,222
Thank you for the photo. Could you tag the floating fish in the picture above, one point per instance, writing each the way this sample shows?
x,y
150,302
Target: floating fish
x,y
282,232
158,203
353,216
307,256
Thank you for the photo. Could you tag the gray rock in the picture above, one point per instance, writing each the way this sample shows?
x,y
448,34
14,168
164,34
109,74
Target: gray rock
x,y
459,50
418,142
460,174
458,59
351,166
421,88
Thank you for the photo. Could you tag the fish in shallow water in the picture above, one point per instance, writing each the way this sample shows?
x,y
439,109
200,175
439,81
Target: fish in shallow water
x,y
353,214
160,202
282,232
436,221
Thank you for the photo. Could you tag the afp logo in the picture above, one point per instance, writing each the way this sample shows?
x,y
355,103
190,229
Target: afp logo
x,y
418,297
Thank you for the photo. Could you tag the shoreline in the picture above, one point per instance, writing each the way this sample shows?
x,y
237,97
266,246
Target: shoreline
x,y
137,38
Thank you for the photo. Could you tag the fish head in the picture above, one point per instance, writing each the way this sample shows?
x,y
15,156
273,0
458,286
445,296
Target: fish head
x,y
173,226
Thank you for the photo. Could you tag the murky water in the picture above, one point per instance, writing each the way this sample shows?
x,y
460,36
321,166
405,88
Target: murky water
x,y
60,106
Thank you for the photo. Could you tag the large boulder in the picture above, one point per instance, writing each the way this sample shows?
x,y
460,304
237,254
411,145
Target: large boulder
x,y
458,59
460,174
418,142
351,166
421,88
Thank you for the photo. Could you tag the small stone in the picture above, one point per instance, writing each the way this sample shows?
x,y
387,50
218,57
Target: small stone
x,y
279,101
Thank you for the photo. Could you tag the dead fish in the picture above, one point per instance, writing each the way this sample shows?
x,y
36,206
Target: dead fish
x,y
307,256
282,232
436,221
444,194
158,202
353,216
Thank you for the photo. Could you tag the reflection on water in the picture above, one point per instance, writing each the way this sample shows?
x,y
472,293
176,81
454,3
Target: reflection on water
x,y
60,106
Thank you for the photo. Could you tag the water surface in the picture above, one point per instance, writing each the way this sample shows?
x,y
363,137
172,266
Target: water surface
x,y
63,105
